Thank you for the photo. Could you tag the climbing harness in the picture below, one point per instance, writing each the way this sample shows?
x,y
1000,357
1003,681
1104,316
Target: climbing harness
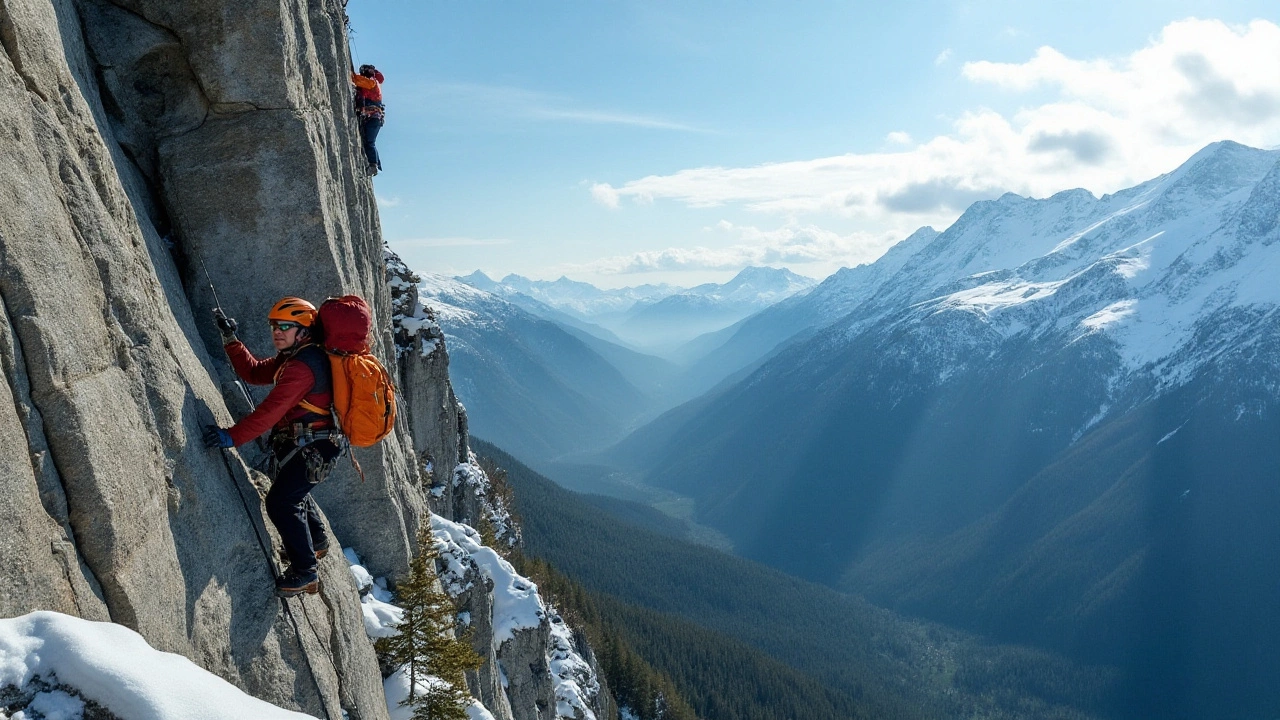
x,y
302,439
371,109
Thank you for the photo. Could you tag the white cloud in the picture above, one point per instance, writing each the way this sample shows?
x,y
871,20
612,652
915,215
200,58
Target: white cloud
x,y
943,56
898,137
1201,80
387,202
1109,124
475,100
605,194
793,244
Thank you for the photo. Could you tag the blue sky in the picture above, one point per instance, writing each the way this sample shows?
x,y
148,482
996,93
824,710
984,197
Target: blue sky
x,y
630,142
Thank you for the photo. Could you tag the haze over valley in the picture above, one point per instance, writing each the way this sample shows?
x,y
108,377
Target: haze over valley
x,y
1046,423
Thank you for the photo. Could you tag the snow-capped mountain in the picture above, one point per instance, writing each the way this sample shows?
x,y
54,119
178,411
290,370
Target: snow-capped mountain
x,y
1049,422
655,318
579,299
678,318
715,355
527,382
756,287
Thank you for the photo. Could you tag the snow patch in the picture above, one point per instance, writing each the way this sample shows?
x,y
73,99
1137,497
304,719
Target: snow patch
x,y
54,705
1171,433
516,605
380,616
1114,314
576,684
116,668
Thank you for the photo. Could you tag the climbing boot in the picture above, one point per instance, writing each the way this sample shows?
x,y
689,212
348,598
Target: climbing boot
x,y
294,583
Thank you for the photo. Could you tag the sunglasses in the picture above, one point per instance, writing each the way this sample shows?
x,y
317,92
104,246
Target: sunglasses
x,y
284,326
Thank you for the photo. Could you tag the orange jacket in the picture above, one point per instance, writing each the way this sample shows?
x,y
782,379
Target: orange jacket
x,y
368,88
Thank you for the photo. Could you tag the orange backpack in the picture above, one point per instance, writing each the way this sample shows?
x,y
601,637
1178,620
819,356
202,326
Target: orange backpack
x,y
364,398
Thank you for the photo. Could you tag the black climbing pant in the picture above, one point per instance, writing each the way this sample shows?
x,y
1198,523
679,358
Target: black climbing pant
x,y
289,503
369,128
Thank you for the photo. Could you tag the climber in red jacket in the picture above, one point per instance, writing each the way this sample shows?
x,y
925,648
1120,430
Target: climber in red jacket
x,y
371,111
302,437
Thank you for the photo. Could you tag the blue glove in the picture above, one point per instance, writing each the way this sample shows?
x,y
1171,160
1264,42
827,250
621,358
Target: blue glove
x,y
216,437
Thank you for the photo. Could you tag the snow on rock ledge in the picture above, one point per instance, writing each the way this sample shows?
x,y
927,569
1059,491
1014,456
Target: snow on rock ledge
x,y
577,686
114,667
516,605
474,499
543,676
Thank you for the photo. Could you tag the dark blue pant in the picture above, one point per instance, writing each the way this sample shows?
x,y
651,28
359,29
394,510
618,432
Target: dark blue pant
x,y
292,509
369,128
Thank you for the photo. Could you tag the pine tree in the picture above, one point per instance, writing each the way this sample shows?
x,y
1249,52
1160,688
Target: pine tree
x,y
425,645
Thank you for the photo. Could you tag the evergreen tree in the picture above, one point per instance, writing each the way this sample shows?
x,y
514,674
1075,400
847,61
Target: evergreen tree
x,y
425,645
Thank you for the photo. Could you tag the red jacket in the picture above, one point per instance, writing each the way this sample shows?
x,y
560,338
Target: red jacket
x,y
368,88
294,382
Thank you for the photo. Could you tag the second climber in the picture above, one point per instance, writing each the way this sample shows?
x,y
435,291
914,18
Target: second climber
x,y
370,111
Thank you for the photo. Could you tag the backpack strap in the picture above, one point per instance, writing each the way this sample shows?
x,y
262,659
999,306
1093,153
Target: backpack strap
x,y
317,361
312,408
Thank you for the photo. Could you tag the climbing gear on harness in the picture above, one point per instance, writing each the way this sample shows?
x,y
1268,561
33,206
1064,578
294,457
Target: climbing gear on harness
x,y
293,309
371,109
300,440
318,467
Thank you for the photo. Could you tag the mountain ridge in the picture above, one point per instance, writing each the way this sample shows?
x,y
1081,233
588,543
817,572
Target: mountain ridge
x,y
897,431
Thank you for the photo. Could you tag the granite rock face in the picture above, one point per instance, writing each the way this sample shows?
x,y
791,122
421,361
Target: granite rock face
x,y
154,150
238,118
524,663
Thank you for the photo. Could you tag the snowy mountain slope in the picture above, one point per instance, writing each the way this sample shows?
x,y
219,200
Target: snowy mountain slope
x,y
648,317
755,337
677,319
1143,268
480,281
997,236
1047,423
582,300
528,383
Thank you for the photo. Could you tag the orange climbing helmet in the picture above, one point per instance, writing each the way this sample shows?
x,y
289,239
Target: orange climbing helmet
x,y
293,309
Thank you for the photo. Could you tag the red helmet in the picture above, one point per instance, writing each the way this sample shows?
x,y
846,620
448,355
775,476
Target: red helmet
x,y
293,309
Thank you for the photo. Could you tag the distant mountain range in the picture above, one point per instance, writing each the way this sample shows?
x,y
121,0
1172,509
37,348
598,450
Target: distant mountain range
x,y
538,387
1054,422
652,318
582,300
546,383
